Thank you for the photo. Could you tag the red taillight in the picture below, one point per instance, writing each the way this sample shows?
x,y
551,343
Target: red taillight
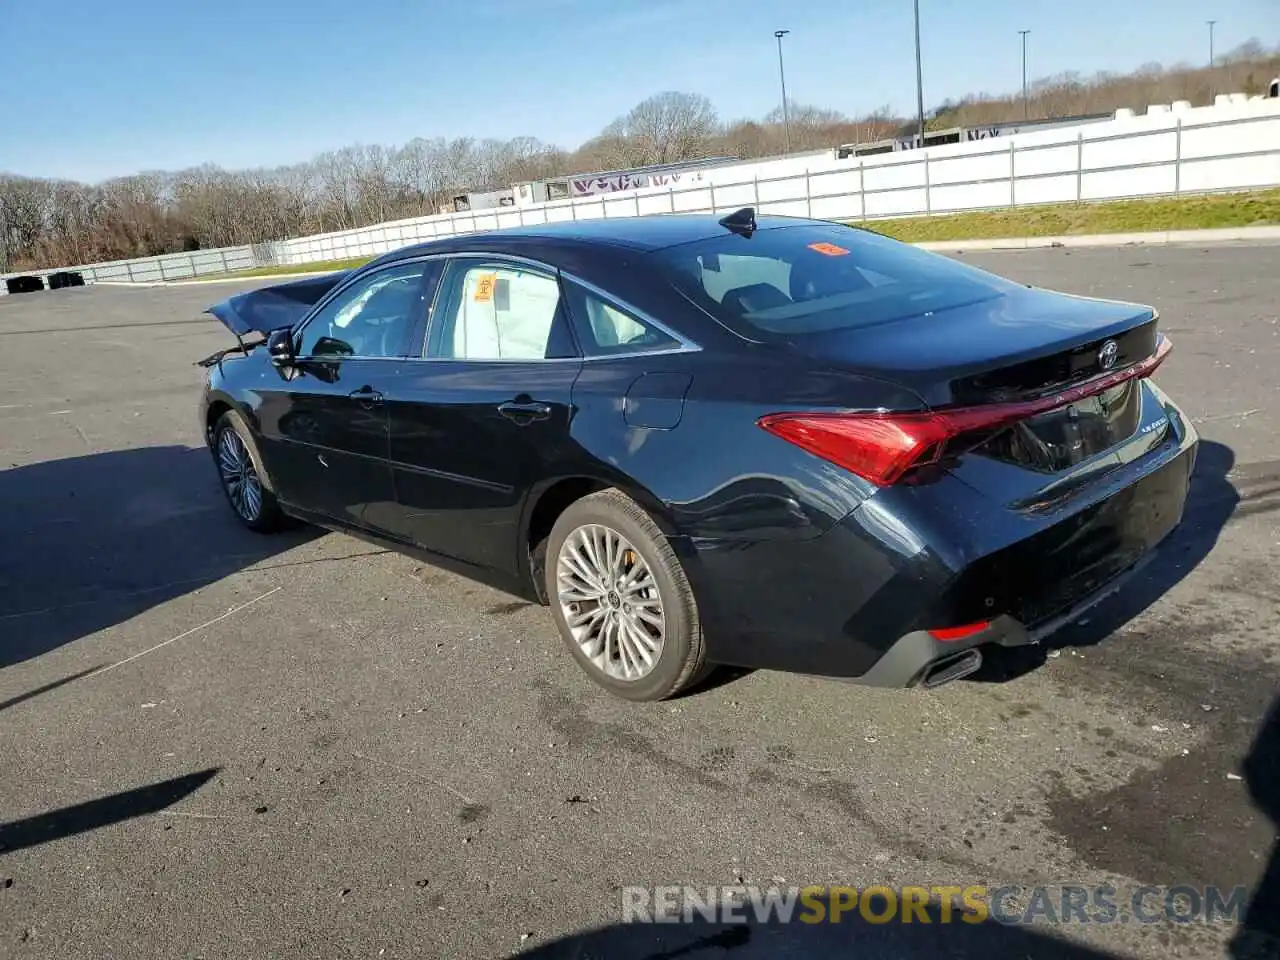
x,y
959,633
878,447
881,447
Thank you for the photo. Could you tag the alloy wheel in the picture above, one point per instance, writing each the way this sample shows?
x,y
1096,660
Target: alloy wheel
x,y
239,476
611,602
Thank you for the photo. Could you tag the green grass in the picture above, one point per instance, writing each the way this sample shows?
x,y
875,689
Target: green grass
x,y
320,266
1261,208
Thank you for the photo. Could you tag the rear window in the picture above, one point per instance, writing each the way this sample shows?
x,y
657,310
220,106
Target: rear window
x,y
791,281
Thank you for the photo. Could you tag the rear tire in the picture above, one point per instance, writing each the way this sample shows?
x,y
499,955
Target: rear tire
x,y
621,601
242,477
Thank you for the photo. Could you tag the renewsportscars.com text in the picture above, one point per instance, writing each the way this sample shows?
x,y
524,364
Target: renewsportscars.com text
x,y
933,904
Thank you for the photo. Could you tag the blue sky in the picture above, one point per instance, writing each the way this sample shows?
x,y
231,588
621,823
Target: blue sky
x,y
112,88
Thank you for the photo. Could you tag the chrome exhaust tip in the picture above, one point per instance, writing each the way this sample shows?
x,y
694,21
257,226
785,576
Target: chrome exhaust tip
x,y
951,668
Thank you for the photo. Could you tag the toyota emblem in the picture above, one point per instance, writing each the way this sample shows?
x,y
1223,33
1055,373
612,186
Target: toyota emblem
x,y
1107,355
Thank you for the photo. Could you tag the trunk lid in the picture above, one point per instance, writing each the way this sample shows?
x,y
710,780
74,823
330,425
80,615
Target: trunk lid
x,y
1015,345
273,307
1029,395
1025,345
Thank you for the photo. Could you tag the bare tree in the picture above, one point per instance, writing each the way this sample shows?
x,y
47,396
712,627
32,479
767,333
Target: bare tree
x,y
23,206
667,127
609,151
1070,94
750,138
422,170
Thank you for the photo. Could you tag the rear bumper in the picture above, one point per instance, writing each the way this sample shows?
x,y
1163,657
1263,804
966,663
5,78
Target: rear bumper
x,y
857,602
918,659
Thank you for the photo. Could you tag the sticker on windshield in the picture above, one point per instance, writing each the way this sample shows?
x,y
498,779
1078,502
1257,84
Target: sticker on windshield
x,y
829,249
484,287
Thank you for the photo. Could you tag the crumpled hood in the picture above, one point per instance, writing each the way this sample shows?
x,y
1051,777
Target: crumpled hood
x,y
274,307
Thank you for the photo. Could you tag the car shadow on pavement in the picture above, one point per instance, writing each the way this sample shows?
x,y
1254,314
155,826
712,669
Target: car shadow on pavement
x,y
45,688
93,541
103,812
1211,502
851,937
1260,933
720,675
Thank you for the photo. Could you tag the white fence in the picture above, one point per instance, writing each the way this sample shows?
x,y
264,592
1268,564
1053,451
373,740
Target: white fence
x,y
1233,145
1168,151
169,266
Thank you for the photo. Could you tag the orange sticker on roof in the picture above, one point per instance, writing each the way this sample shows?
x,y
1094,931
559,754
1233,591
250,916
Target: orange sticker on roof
x,y
484,287
830,249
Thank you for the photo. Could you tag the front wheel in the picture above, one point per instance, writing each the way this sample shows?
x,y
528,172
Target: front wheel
x,y
243,479
621,600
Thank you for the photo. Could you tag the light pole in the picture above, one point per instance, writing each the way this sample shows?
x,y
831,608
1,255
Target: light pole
x,y
782,76
1212,86
1026,110
919,79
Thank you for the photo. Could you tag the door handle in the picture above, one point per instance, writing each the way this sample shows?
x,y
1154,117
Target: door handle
x,y
366,394
523,412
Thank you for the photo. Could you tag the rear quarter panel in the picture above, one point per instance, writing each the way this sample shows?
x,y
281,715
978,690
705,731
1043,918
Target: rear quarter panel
x,y
682,428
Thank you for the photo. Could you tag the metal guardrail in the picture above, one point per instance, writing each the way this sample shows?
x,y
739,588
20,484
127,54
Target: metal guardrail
x,y
169,266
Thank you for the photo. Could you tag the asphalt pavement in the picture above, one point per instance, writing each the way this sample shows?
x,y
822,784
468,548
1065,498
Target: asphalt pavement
x,y
218,744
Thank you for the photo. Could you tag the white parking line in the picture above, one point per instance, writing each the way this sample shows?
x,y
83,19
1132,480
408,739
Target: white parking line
x,y
439,784
187,633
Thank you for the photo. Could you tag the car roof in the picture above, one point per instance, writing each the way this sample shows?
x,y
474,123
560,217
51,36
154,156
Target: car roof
x,y
642,233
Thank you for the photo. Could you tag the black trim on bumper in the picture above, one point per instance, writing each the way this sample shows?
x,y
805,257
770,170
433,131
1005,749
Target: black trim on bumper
x,y
906,663
914,658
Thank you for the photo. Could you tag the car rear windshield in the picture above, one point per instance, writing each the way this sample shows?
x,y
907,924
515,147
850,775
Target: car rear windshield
x,y
810,279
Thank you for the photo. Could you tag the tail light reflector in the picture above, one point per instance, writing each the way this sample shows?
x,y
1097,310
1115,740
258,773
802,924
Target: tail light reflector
x,y
959,633
881,447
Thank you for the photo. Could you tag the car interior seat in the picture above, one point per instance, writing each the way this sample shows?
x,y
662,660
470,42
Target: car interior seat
x,y
813,280
754,298
511,322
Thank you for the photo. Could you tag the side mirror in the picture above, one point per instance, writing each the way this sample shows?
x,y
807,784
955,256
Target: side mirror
x,y
280,346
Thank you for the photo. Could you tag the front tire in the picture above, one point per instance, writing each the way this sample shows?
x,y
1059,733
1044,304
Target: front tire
x,y
621,601
242,477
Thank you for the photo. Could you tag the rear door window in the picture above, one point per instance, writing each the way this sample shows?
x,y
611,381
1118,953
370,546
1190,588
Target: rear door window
x,y
607,329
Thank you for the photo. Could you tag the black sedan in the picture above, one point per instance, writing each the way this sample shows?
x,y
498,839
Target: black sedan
x,y
756,441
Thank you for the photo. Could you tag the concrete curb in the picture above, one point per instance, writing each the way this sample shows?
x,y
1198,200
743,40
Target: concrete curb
x,y
1153,238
